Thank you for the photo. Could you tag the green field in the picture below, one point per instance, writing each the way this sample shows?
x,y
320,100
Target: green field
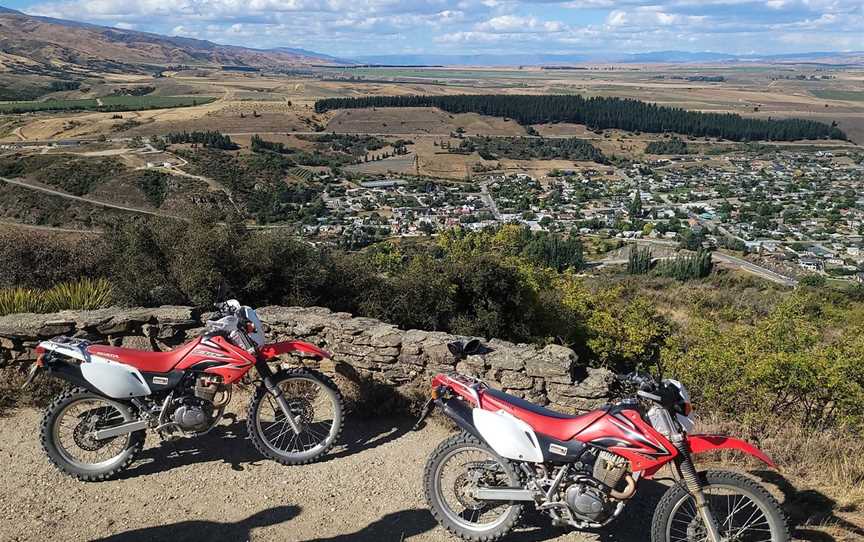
x,y
848,95
440,73
108,103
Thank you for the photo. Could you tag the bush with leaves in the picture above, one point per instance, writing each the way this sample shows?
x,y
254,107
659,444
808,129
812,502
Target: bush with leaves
x,y
799,364
35,259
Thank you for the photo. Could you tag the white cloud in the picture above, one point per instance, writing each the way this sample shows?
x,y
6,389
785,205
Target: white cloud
x,y
515,24
345,27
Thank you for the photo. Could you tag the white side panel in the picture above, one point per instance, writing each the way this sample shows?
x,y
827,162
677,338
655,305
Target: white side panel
x,y
116,380
509,436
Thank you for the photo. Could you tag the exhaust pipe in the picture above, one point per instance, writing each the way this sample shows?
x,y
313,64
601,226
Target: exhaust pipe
x,y
460,413
627,492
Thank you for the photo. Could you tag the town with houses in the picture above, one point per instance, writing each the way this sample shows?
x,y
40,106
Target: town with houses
x,y
795,212
784,211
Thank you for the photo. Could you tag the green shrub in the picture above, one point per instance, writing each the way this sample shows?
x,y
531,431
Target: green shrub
x,y
85,294
32,259
799,364
15,300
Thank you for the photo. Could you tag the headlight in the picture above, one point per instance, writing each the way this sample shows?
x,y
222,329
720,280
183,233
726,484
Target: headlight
x,y
685,407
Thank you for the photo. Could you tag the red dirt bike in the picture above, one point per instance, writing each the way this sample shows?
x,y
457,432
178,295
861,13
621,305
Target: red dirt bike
x,y
582,470
94,430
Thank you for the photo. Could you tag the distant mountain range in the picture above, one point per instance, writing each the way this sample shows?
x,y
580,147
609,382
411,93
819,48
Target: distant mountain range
x,y
658,57
47,46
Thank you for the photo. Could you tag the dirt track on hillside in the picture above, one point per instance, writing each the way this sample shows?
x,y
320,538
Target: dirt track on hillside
x,y
218,488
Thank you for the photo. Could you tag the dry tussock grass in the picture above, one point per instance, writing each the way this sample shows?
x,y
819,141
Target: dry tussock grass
x,y
820,478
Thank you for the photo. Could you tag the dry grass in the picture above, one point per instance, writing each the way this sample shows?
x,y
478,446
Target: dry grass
x,y
820,476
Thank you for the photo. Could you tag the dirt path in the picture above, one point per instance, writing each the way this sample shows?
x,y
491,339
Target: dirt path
x,y
218,488
86,199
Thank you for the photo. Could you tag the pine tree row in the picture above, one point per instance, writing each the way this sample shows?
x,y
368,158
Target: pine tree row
x,y
603,113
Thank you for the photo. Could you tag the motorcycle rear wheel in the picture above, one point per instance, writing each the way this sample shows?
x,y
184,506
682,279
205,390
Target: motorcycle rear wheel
x,y
66,435
460,514
743,509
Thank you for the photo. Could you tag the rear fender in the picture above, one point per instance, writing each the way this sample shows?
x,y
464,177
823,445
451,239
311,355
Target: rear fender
x,y
287,347
699,444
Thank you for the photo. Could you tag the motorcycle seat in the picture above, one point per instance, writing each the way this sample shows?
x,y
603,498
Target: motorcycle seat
x,y
543,420
143,360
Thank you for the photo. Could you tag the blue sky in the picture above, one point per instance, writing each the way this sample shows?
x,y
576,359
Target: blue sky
x,y
357,27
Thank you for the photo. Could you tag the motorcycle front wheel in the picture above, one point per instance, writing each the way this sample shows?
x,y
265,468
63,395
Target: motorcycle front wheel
x,y
743,510
67,435
317,407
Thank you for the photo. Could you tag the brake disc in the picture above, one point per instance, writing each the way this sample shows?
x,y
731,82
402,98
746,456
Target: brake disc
x,y
462,489
83,436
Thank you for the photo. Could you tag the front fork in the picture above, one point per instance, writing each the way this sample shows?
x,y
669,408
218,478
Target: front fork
x,y
685,472
274,390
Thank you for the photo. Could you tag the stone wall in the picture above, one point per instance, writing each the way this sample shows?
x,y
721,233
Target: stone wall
x,y
364,349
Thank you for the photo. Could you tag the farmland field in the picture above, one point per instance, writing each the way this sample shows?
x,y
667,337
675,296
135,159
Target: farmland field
x,y
108,103
848,95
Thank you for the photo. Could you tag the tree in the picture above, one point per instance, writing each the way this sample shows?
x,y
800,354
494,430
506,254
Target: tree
x,y
639,260
691,239
426,227
687,266
635,207
813,280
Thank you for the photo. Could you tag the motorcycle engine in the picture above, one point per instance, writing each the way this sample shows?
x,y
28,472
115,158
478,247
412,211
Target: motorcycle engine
x,y
586,502
609,468
193,414
590,502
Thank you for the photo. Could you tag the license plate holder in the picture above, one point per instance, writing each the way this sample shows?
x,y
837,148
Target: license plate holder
x,y
427,409
34,370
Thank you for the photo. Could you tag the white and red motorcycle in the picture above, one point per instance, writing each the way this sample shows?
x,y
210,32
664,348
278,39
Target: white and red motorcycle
x,y
94,430
583,470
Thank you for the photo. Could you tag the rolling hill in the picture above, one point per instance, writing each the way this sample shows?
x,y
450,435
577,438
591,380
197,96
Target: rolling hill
x,y
53,47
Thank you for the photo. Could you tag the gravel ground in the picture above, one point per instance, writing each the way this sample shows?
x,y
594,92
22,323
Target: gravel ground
x,y
217,487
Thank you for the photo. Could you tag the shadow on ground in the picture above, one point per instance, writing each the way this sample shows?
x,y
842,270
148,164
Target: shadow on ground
x,y
396,526
806,508
229,443
207,530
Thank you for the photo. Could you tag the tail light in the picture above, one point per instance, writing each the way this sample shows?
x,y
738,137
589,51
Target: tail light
x,y
40,356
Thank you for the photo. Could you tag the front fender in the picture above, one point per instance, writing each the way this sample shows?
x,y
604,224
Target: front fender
x,y
706,443
286,347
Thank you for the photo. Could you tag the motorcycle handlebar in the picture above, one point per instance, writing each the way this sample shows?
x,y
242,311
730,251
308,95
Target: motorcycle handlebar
x,y
641,381
225,308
